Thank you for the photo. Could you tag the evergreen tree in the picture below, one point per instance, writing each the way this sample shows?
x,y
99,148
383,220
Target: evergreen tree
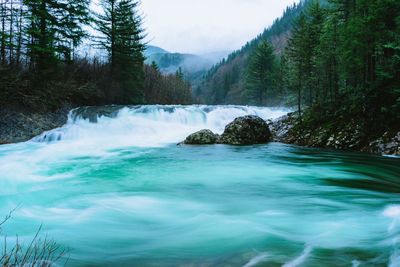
x,y
122,38
155,66
315,23
260,73
298,56
55,28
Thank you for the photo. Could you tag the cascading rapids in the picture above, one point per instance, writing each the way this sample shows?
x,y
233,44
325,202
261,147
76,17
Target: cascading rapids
x,y
148,125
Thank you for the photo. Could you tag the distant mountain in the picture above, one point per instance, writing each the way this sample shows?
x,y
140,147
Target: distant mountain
x,y
193,66
224,82
151,50
171,62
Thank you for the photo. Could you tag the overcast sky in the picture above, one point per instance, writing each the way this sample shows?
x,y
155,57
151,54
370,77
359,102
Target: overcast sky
x,y
204,26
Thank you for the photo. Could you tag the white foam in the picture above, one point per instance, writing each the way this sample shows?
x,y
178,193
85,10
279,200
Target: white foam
x,y
300,259
394,259
130,128
392,212
256,260
152,125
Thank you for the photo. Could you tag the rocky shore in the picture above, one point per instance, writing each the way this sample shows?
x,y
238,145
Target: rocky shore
x,y
289,129
350,135
18,125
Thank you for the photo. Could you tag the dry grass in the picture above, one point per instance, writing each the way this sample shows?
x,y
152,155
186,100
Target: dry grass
x,y
39,252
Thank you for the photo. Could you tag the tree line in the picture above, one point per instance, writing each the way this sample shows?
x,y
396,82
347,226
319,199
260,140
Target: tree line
x,y
43,64
343,56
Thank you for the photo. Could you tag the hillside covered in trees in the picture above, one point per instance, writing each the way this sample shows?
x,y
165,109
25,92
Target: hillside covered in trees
x,y
41,67
225,82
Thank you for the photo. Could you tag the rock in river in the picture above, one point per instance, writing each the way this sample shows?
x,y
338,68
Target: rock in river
x,y
203,137
247,130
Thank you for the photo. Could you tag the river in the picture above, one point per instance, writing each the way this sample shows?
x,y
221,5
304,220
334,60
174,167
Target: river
x,y
117,191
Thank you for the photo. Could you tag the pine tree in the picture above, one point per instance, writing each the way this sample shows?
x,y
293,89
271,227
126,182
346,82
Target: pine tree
x,y
122,38
298,56
315,23
327,62
55,27
260,73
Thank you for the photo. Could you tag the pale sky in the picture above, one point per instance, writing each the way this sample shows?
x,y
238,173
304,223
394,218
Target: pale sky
x,y
205,26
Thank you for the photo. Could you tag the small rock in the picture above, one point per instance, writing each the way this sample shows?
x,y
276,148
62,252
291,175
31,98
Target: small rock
x,y
203,137
386,145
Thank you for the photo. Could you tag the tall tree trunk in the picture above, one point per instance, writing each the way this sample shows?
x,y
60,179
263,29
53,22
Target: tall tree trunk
x,y
32,56
3,34
43,42
299,94
11,41
19,40
335,63
113,33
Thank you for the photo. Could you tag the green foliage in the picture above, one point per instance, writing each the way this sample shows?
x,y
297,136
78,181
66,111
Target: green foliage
x,y
55,29
39,69
122,38
304,66
166,89
339,54
260,73
347,55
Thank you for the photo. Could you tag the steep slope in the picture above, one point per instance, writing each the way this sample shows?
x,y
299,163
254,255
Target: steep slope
x,y
224,83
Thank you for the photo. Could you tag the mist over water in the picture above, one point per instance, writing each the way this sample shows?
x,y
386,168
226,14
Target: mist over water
x,y
146,126
117,191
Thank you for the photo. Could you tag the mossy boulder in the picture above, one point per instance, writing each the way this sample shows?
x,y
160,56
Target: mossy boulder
x,y
247,130
203,137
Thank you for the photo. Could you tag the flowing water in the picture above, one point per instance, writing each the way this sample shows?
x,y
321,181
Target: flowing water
x,y
118,191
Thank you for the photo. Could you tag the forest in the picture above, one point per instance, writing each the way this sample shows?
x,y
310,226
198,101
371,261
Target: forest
x,y
43,65
343,60
339,61
337,57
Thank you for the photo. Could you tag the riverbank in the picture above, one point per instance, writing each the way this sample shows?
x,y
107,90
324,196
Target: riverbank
x,y
341,134
19,125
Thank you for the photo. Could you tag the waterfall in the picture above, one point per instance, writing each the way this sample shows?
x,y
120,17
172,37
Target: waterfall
x,y
148,125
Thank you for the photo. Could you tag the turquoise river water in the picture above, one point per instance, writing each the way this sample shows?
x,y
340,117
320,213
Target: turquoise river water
x,y
117,191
